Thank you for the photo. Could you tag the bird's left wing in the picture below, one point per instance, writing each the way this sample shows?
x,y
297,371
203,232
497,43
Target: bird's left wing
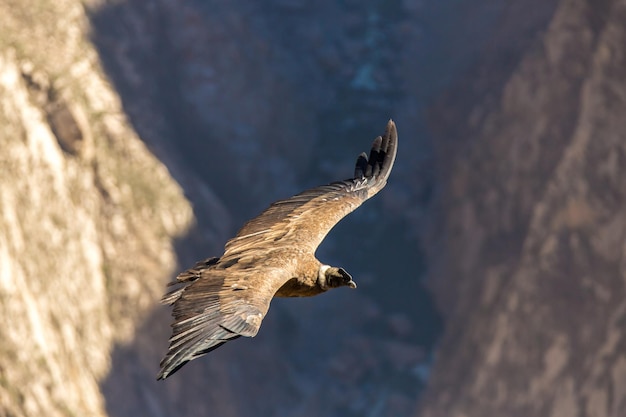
x,y
304,220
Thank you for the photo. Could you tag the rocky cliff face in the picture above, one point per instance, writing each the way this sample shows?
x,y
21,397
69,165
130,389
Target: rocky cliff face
x,y
531,269
87,216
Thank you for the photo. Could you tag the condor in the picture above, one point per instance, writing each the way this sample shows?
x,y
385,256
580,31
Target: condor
x,y
273,255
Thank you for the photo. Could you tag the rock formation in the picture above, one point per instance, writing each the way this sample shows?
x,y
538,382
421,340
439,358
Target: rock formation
x,y
532,231
87,216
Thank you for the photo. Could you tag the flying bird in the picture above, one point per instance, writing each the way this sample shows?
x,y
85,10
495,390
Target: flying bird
x,y
273,255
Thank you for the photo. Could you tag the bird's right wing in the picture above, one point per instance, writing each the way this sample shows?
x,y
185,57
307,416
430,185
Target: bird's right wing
x,y
221,306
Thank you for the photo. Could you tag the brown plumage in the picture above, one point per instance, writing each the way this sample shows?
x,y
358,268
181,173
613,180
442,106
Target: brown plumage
x,y
273,255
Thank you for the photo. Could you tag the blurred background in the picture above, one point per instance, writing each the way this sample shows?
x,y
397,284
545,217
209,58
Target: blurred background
x,y
137,136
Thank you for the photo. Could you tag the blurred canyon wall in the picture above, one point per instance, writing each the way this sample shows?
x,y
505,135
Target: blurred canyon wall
x,y
531,271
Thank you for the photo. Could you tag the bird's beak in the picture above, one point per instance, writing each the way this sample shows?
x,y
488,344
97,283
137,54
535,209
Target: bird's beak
x,y
345,275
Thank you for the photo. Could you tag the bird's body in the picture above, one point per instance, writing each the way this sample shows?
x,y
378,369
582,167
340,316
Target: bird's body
x,y
273,255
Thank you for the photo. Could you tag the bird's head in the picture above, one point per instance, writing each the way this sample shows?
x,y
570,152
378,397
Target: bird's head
x,y
334,277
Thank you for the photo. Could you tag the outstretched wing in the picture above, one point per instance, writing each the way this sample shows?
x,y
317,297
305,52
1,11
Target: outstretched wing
x,y
304,220
214,306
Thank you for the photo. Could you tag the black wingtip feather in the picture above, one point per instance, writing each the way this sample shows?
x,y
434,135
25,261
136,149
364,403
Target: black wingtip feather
x,y
390,136
361,166
369,169
381,158
389,147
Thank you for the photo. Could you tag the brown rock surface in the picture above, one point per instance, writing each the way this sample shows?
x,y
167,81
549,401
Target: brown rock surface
x,y
531,268
87,216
